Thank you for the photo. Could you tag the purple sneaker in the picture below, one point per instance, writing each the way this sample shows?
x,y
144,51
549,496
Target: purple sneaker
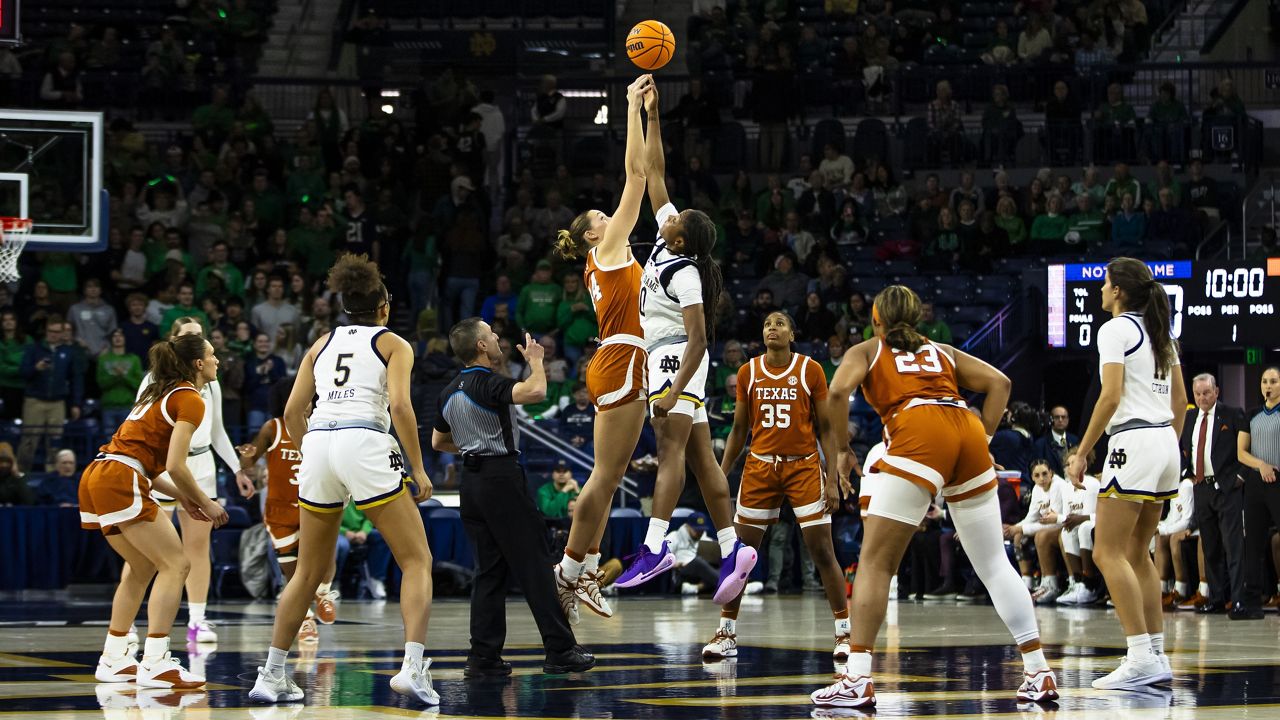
x,y
733,572
645,566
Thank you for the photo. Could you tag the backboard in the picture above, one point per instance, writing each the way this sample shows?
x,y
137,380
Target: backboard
x,y
51,167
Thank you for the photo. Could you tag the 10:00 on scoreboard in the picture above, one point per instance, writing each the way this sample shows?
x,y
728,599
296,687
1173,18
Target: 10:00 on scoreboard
x,y
1213,304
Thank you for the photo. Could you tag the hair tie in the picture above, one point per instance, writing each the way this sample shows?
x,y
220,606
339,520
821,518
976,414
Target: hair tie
x,y
875,315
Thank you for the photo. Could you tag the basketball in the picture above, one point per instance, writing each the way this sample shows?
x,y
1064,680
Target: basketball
x,y
651,44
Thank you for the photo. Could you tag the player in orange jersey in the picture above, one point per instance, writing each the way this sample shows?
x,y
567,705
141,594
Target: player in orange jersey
x,y
934,445
281,515
616,374
778,398
115,497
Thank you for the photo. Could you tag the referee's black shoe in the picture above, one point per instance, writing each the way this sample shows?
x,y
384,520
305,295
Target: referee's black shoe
x,y
1240,611
486,667
575,659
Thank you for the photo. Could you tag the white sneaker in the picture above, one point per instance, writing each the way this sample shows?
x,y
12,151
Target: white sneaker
x,y
1049,595
378,589
723,645
1041,686
1086,596
116,670
588,593
132,636
1069,597
268,689
688,589
414,680
567,593
1132,674
841,652
167,672
755,587
1166,674
201,632
847,692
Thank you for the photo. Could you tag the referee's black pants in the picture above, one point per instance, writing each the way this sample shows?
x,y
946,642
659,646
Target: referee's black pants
x,y
1261,513
510,540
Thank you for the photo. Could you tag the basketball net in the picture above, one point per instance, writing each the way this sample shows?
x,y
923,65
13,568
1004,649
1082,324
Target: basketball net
x,y
13,239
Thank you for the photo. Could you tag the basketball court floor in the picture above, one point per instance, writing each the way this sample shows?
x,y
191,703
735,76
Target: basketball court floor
x,y
934,660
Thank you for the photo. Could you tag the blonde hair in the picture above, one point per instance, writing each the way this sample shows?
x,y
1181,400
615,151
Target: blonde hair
x,y
572,244
900,311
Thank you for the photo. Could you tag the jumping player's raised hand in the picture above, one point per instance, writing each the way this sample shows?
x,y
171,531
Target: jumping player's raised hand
x,y
637,90
651,99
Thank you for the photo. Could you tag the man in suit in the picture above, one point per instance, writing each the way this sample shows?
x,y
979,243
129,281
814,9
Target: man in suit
x,y
1054,443
1210,460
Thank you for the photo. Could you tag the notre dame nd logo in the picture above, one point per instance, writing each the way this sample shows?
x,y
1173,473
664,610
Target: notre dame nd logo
x,y
669,363
1118,458
396,460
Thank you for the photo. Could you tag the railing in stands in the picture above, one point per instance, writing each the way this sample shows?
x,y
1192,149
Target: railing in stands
x,y
1258,210
1004,330
574,456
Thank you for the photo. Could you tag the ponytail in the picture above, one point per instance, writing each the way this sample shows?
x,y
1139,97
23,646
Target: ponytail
x,y
899,311
1144,294
172,363
572,244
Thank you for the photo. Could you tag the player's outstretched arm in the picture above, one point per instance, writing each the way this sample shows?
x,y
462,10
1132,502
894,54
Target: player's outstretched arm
x,y
399,357
618,233
654,155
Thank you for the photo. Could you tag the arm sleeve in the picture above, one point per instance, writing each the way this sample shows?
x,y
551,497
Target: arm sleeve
x,y
186,405
221,442
495,389
686,287
1115,337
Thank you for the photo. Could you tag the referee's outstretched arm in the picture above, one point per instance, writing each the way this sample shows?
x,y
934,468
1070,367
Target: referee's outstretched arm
x,y
532,389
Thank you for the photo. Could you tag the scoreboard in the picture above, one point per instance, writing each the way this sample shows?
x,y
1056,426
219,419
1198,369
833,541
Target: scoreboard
x,y
1213,305
9,34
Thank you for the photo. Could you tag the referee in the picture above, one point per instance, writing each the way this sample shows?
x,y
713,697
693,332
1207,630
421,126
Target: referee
x,y
477,420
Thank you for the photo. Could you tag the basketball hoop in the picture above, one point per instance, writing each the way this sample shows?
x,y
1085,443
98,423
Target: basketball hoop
x,y
13,238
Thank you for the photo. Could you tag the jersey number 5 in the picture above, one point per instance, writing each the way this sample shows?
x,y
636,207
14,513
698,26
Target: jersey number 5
x,y
925,360
775,416
342,369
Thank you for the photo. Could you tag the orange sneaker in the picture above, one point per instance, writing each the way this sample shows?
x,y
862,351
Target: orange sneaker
x,y
308,633
326,611
1169,600
1272,605
1191,602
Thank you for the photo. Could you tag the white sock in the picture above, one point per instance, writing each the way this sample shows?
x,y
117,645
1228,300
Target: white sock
x,y
323,588
309,613
116,646
1051,582
1139,647
859,664
195,613
1165,586
1029,581
571,569
843,627
1180,588
653,536
1203,589
1034,661
413,652
591,563
154,649
1157,643
729,625
275,661
727,538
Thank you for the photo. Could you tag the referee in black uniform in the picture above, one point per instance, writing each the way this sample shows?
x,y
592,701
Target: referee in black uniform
x,y
477,421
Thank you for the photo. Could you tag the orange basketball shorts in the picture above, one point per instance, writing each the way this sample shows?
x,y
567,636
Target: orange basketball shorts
x,y
282,521
941,449
113,495
616,376
766,483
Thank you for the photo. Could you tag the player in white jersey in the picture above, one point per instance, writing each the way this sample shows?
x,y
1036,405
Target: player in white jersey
x,y
679,290
1077,538
209,438
1142,407
358,377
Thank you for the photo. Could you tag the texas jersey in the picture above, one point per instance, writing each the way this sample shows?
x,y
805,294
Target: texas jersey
x,y
145,434
283,460
669,284
615,295
781,404
896,377
203,435
351,379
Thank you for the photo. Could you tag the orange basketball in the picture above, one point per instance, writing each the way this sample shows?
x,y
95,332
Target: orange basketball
x,y
650,44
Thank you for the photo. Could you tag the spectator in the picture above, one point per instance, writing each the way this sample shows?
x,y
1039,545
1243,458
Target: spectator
x,y
1049,231
942,248
275,311
14,344
1002,49
92,319
1089,57
14,489
836,167
934,328
1034,41
1122,182
162,202
60,89
990,241
1167,121
1259,449
1201,193
578,419
969,191
1013,446
1225,103
575,317
356,531
1053,445
760,308
119,374
836,349
1128,228
1089,185
494,128
262,370
231,368
549,219
539,301
554,496
786,286
62,486
502,295
287,347
1210,459
1085,229
54,370
1062,123
797,239
1164,179
549,107
694,574
946,127
1172,225
220,266
362,236
855,316
1007,219
815,321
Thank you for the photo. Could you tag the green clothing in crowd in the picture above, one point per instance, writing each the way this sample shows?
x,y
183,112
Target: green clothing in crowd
x,y
1121,113
577,326
177,311
58,269
11,352
354,521
1089,225
537,306
1016,229
936,331
1047,231
1170,112
552,502
119,377
232,278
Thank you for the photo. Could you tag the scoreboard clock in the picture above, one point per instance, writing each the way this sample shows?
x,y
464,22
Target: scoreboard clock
x,y
1213,305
